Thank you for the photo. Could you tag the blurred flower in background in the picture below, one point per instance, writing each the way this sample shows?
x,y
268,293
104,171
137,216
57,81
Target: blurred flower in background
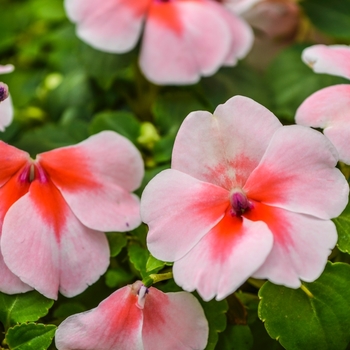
x,y
181,41
6,108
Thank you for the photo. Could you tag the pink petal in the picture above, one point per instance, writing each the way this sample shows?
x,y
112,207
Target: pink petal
x,y
182,41
115,324
173,321
95,178
225,147
48,248
241,33
229,254
329,109
332,59
10,283
179,211
8,68
298,173
108,25
301,246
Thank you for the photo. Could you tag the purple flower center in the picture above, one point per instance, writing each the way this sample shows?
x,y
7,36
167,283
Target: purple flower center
x,y
239,204
4,92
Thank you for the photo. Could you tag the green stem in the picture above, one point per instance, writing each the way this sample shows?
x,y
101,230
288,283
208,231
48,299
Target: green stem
x,y
155,278
306,291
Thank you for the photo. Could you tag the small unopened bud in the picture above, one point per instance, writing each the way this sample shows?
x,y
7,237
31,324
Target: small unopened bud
x,y
4,92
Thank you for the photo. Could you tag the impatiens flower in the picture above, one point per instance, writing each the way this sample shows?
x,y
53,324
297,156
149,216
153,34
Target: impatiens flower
x,y
244,196
53,209
137,318
6,108
329,108
182,39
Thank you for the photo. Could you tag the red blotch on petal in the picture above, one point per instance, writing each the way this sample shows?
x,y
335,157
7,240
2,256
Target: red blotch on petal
x,y
274,219
167,14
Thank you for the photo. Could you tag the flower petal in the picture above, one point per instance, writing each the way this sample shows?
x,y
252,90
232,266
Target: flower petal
x,y
173,321
225,147
182,41
95,178
6,113
9,282
229,254
48,248
301,246
329,109
7,68
179,210
115,324
110,25
241,34
298,173
332,59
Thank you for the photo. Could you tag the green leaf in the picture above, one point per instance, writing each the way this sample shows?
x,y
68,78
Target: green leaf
x,y
231,81
19,308
171,109
138,257
292,81
116,278
103,66
215,312
124,123
154,264
30,336
342,222
117,241
331,17
316,317
238,337
67,309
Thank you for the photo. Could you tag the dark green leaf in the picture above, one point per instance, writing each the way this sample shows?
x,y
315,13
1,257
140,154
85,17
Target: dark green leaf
x,y
215,312
331,17
117,241
171,109
124,123
138,256
116,278
30,336
19,308
238,337
342,222
317,318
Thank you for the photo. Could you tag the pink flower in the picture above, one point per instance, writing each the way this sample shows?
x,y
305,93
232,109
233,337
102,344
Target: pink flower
x,y
182,39
6,108
329,108
137,318
53,209
245,196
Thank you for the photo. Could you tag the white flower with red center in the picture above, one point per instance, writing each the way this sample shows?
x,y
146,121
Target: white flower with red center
x,y
245,196
329,108
6,108
182,40
54,210
137,318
